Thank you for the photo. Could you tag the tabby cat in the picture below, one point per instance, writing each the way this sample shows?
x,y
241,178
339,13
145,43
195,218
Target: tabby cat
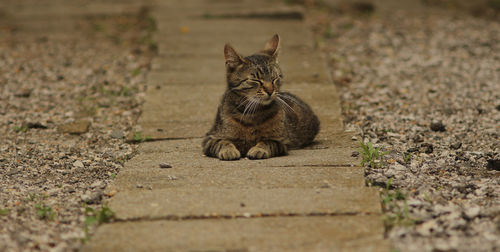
x,y
255,119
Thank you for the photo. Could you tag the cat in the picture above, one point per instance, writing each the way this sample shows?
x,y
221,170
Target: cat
x,y
255,119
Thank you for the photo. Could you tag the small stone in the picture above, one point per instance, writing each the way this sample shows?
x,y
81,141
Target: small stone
x,y
426,228
427,148
456,145
412,149
111,193
354,154
69,189
438,126
398,167
354,138
150,188
23,92
139,186
118,134
165,166
242,204
97,184
35,125
92,198
78,164
493,164
472,212
77,127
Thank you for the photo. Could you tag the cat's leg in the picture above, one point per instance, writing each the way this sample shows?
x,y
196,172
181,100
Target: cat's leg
x,y
220,148
267,149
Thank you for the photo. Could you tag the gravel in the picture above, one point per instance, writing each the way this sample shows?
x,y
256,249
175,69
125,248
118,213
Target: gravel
x,y
424,87
65,107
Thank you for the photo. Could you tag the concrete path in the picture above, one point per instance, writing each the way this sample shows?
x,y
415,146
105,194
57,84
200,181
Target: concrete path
x,y
312,200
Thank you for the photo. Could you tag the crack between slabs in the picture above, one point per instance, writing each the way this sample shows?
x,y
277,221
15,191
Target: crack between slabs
x,y
241,216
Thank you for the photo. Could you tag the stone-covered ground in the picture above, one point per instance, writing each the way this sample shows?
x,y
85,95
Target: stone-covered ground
x,y
65,108
423,86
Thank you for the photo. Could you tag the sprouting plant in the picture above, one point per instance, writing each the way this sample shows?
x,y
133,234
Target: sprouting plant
x,y
4,211
97,217
44,212
407,157
21,129
139,138
395,207
371,155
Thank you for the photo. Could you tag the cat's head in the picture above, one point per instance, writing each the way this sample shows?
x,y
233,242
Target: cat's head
x,y
256,77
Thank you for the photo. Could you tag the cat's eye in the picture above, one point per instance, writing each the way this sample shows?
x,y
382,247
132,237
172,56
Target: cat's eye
x,y
255,82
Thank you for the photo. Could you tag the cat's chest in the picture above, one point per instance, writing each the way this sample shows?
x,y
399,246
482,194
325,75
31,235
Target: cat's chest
x,y
270,129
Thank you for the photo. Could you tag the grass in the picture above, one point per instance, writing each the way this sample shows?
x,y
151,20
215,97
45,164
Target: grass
x,y
21,129
4,211
395,207
407,157
372,156
44,212
97,217
139,138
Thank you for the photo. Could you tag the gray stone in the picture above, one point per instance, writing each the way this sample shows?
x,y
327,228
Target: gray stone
x,y
118,134
78,164
76,127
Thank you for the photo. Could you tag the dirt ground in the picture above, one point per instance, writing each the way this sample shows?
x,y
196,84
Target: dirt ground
x,y
421,84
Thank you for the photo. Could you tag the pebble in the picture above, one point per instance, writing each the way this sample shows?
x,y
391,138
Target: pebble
x,y
118,134
78,164
493,164
438,126
472,212
165,165
92,197
77,127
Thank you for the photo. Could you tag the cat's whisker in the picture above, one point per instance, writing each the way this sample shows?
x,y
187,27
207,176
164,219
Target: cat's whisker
x,y
290,99
244,102
286,107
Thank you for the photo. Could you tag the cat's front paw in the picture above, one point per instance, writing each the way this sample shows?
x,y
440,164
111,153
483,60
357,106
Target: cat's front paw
x,y
257,152
229,152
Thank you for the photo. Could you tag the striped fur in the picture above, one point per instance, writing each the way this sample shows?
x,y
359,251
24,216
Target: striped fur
x,y
255,119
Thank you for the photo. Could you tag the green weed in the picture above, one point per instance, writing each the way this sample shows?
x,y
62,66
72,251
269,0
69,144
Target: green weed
x,y
44,212
139,138
97,217
20,129
372,155
407,157
4,211
395,207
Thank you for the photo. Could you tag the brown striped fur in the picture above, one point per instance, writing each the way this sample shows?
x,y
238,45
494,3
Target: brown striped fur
x,y
255,119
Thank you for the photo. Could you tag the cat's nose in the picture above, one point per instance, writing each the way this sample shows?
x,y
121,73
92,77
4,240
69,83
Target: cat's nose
x,y
268,88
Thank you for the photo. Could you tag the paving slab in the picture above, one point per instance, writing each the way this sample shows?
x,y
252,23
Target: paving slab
x,y
298,66
181,111
187,153
203,202
314,199
333,233
150,175
168,11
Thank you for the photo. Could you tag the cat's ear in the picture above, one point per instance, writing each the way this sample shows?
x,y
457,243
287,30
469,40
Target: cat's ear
x,y
272,46
233,59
